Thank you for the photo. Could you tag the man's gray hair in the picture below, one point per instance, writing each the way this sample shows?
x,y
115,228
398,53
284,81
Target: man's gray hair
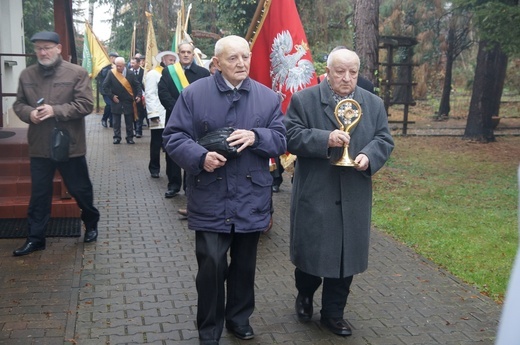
x,y
219,46
342,51
184,43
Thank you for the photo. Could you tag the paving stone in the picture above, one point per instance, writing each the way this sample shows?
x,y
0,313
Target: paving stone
x,y
136,284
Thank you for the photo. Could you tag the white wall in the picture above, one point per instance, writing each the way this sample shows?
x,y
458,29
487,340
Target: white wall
x,y
11,41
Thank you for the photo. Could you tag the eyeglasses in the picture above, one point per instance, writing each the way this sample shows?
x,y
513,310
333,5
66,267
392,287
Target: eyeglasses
x,y
46,49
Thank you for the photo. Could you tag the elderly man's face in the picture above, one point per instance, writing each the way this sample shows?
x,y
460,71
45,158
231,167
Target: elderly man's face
x,y
343,74
234,61
168,60
120,66
47,52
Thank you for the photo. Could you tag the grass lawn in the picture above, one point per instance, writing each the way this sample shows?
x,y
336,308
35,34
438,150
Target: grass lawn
x,y
456,203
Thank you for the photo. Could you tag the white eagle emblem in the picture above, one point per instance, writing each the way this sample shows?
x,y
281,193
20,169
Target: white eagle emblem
x,y
289,70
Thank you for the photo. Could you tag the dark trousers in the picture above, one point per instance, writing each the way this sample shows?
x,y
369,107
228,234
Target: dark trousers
x,y
76,178
334,294
277,173
211,249
129,121
154,166
107,113
141,115
175,171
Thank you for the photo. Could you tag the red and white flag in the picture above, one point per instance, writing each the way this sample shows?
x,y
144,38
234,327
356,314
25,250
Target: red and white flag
x,y
281,58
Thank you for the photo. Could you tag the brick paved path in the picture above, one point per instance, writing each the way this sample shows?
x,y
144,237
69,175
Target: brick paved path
x,y
136,284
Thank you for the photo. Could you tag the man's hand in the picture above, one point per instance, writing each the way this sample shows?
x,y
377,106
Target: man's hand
x,y
338,138
214,161
241,137
362,162
41,113
115,99
137,99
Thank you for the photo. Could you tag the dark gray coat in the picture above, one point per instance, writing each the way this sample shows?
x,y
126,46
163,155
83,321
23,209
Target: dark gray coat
x,y
331,206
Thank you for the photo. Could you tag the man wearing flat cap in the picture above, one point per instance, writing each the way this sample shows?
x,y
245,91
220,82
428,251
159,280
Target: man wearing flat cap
x,y
55,93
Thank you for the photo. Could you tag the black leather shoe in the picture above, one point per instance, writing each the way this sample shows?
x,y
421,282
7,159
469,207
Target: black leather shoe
x,y
130,141
170,193
241,332
337,326
28,248
275,189
155,175
104,123
90,235
116,141
303,306
138,135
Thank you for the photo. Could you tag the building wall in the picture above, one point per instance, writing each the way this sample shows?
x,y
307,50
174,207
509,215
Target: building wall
x,y
11,41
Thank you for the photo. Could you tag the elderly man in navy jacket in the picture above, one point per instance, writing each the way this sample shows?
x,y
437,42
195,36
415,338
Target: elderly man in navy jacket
x,y
229,199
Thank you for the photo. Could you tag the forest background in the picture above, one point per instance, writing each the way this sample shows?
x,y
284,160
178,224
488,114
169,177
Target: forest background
x,y
452,201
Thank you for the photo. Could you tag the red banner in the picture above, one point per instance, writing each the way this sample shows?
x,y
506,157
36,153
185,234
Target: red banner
x,y
281,58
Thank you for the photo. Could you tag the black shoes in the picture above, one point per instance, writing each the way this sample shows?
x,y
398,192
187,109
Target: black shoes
x,y
104,123
337,326
138,135
28,248
275,188
90,235
130,141
154,175
241,332
117,141
170,193
303,306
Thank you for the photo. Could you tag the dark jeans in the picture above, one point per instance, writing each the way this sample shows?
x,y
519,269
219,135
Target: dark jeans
x,y
334,294
107,113
216,303
129,120
76,178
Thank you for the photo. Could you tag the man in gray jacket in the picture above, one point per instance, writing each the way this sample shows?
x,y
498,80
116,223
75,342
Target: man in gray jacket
x,y
331,205
68,100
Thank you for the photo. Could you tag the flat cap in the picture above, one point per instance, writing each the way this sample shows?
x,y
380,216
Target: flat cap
x,y
114,54
46,36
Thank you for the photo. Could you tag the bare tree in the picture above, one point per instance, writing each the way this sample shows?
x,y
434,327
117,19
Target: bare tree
x,y
490,74
455,43
366,22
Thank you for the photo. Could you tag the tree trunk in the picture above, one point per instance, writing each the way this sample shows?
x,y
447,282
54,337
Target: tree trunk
x,y
444,107
487,90
366,23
